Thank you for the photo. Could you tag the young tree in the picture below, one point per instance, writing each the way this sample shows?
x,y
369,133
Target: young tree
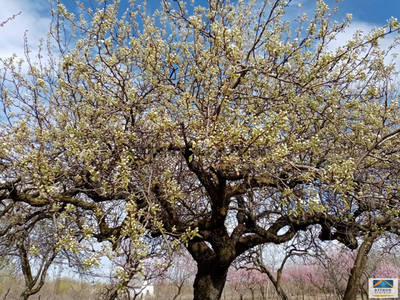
x,y
335,265
245,279
36,252
257,258
181,272
226,128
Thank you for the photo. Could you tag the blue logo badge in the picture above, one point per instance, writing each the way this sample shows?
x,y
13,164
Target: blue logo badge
x,y
383,283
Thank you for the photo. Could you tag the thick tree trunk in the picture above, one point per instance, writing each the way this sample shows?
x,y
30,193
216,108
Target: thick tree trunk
x,y
358,268
210,281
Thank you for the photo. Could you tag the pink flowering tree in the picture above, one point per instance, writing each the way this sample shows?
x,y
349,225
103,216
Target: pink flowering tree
x,y
335,266
303,278
386,269
246,279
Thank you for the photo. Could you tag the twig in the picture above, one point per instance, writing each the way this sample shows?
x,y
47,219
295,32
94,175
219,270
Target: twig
x,y
10,18
5,296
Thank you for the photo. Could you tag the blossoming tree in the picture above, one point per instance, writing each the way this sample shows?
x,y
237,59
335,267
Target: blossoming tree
x,y
223,128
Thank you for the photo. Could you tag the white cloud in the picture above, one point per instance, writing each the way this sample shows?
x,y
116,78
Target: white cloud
x,y
34,20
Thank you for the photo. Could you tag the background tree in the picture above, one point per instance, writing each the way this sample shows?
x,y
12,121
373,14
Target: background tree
x,y
247,280
36,252
179,274
274,272
224,128
135,267
335,265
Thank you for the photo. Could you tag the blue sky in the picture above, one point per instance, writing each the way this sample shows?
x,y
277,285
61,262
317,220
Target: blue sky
x,y
35,18
371,11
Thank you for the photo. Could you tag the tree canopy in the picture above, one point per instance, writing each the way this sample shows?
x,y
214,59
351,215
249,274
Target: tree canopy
x,y
224,128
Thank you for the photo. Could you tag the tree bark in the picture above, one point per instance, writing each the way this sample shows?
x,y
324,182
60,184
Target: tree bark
x,y
275,282
210,281
33,284
358,267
